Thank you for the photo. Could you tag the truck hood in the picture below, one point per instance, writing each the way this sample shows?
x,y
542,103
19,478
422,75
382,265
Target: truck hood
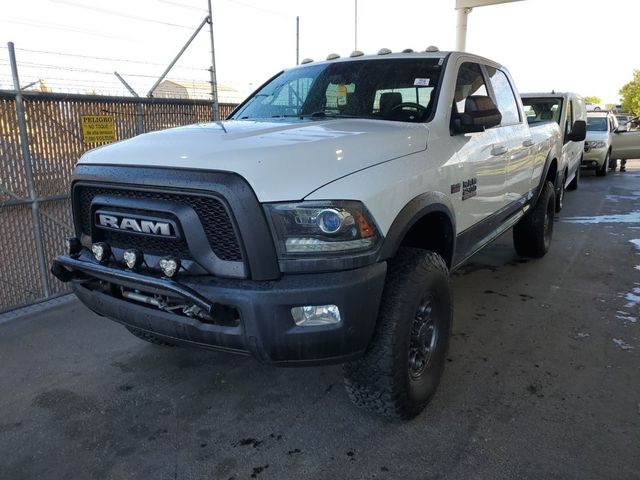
x,y
595,136
282,160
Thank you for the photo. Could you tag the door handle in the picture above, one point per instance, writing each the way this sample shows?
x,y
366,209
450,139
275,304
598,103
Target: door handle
x,y
527,143
498,150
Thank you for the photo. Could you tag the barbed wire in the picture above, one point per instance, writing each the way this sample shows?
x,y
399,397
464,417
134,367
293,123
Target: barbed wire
x,y
95,57
120,14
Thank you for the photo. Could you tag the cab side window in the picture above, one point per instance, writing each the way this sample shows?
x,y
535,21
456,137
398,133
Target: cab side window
x,y
505,98
470,82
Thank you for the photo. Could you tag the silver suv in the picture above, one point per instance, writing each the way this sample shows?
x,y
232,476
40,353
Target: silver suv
x,y
597,147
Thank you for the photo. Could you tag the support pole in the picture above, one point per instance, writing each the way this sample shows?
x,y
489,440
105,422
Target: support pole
x,y
461,29
28,168
177,57
355,43
215,114
138,106
297,40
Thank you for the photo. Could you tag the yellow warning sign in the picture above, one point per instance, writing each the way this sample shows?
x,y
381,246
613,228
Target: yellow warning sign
x,y
98,128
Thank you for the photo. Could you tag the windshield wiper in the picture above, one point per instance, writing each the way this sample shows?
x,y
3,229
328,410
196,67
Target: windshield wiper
x,y
323,114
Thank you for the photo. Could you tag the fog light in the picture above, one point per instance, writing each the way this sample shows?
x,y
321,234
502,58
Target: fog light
x,y
309,316
169,266
133,258
74,246
101,251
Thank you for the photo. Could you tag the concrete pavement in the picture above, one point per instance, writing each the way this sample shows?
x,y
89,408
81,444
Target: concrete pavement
x,y
542,382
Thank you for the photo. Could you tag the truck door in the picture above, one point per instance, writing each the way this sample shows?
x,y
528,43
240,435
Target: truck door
x,y
513,138
477,179
626,145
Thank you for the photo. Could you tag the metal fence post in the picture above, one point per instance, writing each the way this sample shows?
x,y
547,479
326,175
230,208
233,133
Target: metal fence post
x,y
28,167
139,118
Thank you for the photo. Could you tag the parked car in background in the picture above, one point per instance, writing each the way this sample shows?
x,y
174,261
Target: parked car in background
x,y
597,147
569,111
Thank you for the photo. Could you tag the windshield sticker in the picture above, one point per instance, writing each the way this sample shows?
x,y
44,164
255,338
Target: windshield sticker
x,y
342,94
421,82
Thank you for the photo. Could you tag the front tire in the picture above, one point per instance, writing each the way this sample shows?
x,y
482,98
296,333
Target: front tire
x,y
532,234
403,364
602,171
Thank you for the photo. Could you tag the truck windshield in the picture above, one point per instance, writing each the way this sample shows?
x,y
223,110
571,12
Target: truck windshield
x,y
597,124
385,89
542,109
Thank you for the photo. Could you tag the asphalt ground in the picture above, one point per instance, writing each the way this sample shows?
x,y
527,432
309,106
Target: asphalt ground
x,y
542,382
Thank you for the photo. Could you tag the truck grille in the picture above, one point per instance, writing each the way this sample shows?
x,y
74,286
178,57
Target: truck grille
x,y
212,214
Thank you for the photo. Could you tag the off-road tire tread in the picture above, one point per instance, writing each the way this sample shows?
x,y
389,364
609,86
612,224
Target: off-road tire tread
x,y
528,232
371,381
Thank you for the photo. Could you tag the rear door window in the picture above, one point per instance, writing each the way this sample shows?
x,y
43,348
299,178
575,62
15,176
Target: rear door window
x,y
505,98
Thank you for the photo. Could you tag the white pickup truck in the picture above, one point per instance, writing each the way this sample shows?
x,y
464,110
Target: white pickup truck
x,y
319,223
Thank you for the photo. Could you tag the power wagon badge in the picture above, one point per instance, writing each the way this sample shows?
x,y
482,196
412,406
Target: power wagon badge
x,y
469,188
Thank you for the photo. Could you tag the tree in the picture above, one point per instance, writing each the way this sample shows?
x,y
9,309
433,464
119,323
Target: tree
x,y
592,99
630,94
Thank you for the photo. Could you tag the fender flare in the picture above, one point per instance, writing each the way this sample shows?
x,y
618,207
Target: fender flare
x,y
412,212
547,165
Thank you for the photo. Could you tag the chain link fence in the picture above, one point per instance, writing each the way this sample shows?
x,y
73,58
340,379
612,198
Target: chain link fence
x,y
36,168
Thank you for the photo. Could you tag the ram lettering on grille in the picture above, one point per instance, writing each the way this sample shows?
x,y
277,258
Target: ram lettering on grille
x,y
133,225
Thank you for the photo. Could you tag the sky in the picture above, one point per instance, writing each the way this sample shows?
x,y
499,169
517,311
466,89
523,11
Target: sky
x,y
582,46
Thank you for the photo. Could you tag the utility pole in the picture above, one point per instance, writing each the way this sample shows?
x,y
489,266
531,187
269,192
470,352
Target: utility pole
x,y
214,83
297,40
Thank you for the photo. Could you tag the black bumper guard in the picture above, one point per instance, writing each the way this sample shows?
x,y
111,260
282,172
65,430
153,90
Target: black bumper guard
x,y
68,269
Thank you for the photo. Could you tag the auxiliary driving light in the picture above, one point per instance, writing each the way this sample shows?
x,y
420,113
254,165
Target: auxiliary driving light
x,y
169,266
133,258
101,251
74,246
310,316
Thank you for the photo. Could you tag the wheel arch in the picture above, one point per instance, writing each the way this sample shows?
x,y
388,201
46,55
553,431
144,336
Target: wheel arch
x,y
549,174
426,222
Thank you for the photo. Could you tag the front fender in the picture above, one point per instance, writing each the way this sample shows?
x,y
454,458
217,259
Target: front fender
x,y
411,213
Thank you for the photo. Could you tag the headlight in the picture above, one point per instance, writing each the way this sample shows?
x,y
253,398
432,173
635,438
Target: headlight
x,y
331,227
598,144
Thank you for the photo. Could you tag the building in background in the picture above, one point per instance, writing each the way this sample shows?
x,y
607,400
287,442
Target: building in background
x,y
196,90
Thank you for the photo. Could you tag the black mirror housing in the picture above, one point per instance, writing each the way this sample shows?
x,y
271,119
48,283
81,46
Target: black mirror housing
x,y
578,131
479,114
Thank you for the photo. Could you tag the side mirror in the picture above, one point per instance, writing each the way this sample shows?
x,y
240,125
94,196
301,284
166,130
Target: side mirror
x,y
479,114
578,131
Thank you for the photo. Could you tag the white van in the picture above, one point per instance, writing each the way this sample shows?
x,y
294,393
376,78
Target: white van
x,y
566,109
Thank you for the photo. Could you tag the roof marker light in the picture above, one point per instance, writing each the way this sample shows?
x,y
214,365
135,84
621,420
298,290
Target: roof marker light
x,y
356,53
332,56
306,60
384,51
432,48
407,50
